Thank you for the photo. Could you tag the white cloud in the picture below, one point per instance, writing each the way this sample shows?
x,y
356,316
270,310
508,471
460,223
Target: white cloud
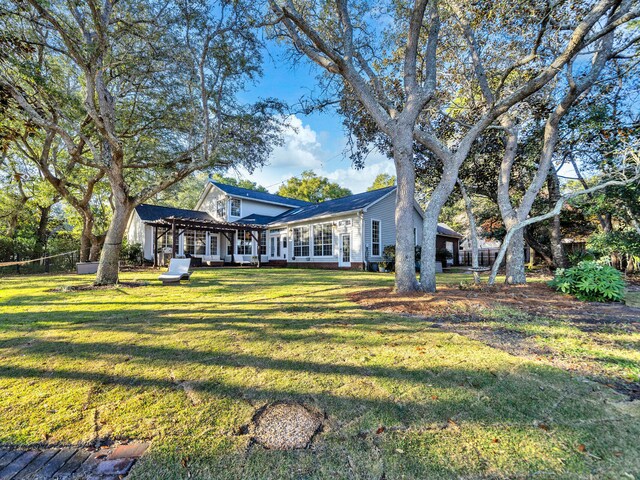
x,y
359,180
302,150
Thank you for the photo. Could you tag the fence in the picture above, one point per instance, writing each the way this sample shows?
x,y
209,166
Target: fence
x,y
486,257
62,262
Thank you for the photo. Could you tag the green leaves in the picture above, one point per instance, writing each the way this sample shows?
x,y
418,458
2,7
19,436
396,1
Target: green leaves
x,y
591,282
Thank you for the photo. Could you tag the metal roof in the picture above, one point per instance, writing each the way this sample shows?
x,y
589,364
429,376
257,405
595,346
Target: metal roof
x,y
331,207
256,219
446,231
260,196
151,213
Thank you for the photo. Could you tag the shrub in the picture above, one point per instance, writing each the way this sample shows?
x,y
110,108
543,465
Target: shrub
x,y
590,281
131,253
388,262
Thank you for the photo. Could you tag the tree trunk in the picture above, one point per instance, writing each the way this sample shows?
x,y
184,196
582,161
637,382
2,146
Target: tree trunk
x,y
96,247
537,247
515,270
405,196
473,233
41,232
109,259
85,238
555,232
437,200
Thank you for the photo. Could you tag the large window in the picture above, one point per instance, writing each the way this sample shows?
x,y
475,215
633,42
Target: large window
x,y
263,242
244,242
220,208
375,238
195,243
165,241
213,245
301,242
235,207
323,240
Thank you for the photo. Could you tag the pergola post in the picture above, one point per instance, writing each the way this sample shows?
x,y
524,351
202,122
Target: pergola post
x,y
155,247
233,247
174,239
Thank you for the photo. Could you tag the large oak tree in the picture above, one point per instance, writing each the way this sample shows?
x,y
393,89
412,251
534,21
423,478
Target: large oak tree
x,y
401,68
157,83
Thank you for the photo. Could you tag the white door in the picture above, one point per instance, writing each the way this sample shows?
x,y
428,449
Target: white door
x,y
278,244
345,250
449,248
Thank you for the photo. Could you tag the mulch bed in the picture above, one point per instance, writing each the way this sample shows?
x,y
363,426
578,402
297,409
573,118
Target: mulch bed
x,y
463,309
533,298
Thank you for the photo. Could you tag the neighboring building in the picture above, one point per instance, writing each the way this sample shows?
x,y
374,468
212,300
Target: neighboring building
x,y
349,232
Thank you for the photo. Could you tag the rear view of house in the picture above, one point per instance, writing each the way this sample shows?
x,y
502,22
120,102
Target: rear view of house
x,y
232,225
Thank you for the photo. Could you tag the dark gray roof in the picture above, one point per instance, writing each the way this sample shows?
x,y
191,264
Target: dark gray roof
x,y
256,219
261,196
445,230
151,213
330,207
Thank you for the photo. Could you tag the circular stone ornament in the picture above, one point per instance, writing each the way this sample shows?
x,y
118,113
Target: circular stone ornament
x,y
286,426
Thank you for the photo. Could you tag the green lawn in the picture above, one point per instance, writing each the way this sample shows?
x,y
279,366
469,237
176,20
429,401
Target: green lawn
x,y
186,367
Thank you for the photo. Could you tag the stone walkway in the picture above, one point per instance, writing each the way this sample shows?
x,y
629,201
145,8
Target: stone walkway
x,y
70,463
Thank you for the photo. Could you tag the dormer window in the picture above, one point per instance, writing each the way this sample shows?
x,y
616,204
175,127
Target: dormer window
x,y
235,207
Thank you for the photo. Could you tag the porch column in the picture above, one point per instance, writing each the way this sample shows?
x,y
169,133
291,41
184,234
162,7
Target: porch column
x,y
174,239
154,245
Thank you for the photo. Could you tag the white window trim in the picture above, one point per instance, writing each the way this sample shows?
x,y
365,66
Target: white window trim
x,y
231,207
312,240
309,243
253,246
379,237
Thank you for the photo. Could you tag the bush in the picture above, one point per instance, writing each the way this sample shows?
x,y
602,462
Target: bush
x,y
590,281
131,253
388,262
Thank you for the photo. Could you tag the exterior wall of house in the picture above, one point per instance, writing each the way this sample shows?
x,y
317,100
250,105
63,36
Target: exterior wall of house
x,y
209,204
141,233
339,224
254,207
441,244
384,211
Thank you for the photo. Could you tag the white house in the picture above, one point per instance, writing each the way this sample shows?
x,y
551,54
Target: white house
x,y
236,225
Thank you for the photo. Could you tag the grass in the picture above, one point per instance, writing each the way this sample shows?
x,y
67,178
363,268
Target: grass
x,y
187,367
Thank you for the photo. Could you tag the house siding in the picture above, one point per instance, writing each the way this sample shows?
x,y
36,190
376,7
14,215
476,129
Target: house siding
x,y
312,261
384,211
247,206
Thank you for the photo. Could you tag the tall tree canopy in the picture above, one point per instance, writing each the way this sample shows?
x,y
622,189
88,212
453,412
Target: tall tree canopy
x,y
438,74
382,180
312,188
142,91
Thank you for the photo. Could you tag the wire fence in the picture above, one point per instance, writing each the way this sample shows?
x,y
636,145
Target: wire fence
x,y
62,262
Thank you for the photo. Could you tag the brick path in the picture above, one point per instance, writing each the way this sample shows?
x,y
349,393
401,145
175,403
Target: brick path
x,y
70,463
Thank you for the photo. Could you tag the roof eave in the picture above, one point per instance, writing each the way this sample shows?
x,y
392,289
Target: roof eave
x,y
317,217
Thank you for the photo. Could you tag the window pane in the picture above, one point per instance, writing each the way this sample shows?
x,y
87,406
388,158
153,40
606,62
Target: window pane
x,y
323,240
375,237
263,243
213,245
301,242
235,207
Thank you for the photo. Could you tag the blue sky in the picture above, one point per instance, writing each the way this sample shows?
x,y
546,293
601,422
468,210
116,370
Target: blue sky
x,y
313,142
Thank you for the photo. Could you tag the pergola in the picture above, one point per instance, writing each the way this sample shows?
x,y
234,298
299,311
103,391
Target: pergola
x,y
178,225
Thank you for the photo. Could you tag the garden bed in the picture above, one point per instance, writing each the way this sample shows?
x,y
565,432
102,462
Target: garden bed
x,y
598,340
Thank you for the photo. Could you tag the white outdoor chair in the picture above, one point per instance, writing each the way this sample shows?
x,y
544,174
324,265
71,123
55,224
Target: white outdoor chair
x,y
178,270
